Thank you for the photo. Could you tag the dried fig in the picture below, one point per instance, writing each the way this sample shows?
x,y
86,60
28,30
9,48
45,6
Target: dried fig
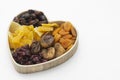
x,y
35,47
47,40
49,53
59,50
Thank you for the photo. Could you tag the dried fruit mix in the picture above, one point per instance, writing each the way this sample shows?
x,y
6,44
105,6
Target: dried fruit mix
x,y
35,40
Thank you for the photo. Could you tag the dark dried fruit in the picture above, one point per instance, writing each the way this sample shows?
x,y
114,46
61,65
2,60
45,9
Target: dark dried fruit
x,y
31,17
47,40
21,55
35,59
35,47
26,55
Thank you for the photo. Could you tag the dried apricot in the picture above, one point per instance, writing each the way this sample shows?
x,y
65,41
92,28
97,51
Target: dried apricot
x,y
73,31
57,37
69,47
56,31
63,32
68,36
67,26
61,40
66,42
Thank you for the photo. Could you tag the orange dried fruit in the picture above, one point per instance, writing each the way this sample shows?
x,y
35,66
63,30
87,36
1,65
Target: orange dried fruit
x,y
57,37
73,38
73,31
63,32
68,36
69,47
56,31
66,42
61,40
73,41
62,25
67,26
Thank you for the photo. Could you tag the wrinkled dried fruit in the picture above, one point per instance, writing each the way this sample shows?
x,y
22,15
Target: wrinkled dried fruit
x,y
47,40
49,53
31,17
21,55
35,47
59,50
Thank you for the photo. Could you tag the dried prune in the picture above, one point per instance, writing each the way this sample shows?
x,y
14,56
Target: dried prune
x,y
21,55
31,17
35,59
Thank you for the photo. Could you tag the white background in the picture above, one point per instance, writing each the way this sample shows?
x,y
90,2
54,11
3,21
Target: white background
x,y
98,24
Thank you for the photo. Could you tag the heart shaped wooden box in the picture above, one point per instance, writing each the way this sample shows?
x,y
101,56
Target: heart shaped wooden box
x,y
46,65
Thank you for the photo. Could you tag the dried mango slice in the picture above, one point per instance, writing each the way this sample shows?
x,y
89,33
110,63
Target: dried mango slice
x,y
14,26
45,29
39,33
22,36
50,25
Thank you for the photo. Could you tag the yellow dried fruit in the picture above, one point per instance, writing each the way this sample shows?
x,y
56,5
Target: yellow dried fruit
x,y
38,33
44,29
14,26
50,25
22,36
